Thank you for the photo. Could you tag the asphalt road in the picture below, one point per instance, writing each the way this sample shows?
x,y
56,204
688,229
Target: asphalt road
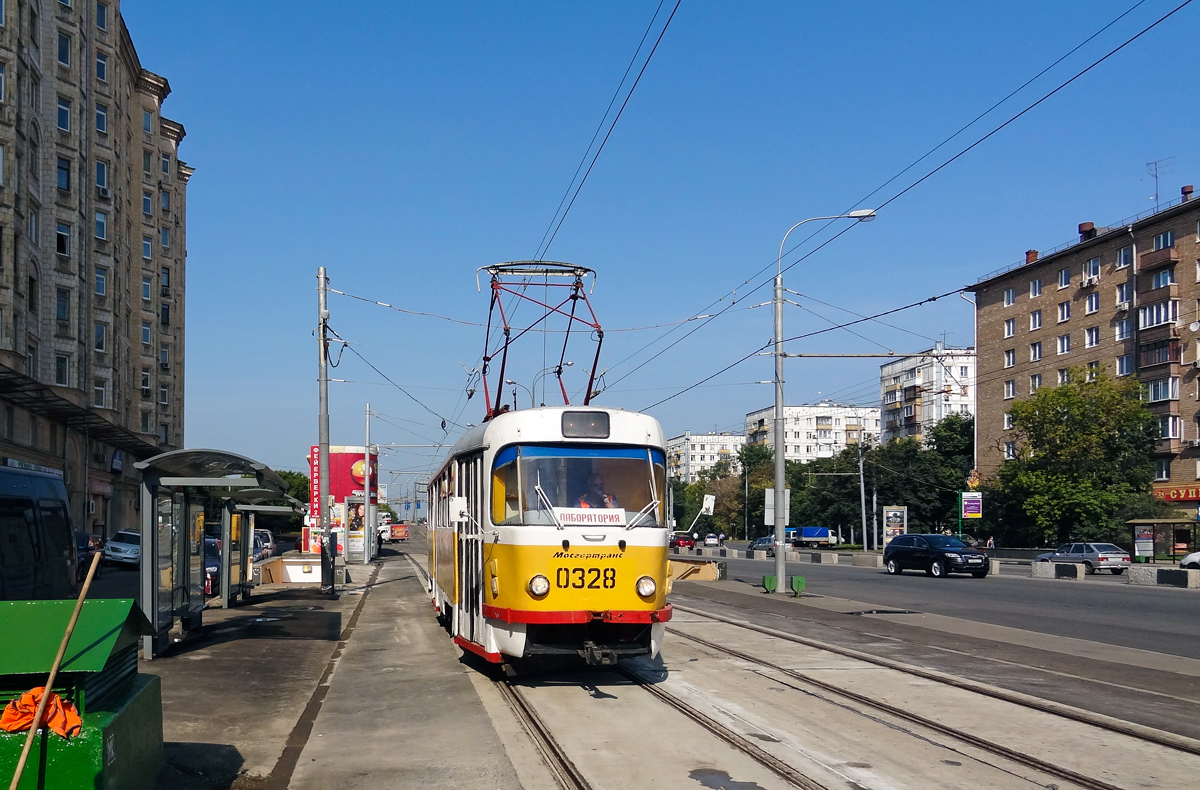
x,y
1102,608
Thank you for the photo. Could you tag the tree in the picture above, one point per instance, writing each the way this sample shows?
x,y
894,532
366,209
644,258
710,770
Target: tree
x,y
758,474
1085,454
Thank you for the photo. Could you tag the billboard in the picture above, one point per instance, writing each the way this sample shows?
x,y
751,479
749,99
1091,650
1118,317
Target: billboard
x,y
895,522
346,476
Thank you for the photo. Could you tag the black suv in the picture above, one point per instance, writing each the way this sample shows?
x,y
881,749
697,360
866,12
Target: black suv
x,y
937,555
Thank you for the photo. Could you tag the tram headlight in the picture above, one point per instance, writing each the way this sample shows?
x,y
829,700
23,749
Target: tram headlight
x,y
539,585
645,586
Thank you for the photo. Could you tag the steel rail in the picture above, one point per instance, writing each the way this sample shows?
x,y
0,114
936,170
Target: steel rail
x,y
744,745
1141,732
952,732
565,773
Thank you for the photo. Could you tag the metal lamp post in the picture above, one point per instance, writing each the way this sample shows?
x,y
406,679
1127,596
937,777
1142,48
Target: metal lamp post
x,y
862,215
542,373
522,386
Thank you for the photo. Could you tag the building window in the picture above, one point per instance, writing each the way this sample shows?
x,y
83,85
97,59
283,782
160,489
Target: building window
x,y
101,67
1008,421
1035,383
164,395
164,355
1162,389
165,237
1,82
1064,375
101,281
147,124
1164,240
1035,320
101,16
145,382
62,238
1064,344
146,247
909,411
101,225
62,304
1091,337
1124,292
64,49
1092,304
102,119
1035,351
1162,469
165,278
62,370
100,393
1064,311
147,203
63,170
1064,278
1010,451
64,114
31,224
146,288
1035,288
146,162
1091,268
101,340
1010,358
163,429
101,174
962,370
165,200
1158,314
1169,427
1158,353
1124,257
1010,329
145,333
166,164
33,91
146,422
1124,329
1124,364
1163,277
165,314
1010,296
1010,389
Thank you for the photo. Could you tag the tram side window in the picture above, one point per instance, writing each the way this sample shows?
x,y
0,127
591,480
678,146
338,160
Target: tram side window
x,y
17,548
506,504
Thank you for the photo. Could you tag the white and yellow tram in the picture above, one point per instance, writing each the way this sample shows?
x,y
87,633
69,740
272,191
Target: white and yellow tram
x,y
548,537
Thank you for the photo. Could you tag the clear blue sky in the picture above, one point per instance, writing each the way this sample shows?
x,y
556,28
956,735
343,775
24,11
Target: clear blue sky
x,y
404,145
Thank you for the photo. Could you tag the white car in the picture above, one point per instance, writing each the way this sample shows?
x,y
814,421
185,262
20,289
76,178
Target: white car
x,y
125,546
711,540
1191,561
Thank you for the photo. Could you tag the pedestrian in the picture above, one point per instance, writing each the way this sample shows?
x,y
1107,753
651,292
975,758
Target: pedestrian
x,y
991,544
722,538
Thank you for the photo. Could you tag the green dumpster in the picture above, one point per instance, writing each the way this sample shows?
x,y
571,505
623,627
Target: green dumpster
x,y
120,745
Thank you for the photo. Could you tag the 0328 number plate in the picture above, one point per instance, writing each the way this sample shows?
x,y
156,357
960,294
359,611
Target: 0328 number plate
x,y
585,578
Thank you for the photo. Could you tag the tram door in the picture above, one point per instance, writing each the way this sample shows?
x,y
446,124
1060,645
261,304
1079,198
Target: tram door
x,y
470,551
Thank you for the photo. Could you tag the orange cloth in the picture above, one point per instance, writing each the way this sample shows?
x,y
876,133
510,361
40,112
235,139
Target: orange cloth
x,y
59,716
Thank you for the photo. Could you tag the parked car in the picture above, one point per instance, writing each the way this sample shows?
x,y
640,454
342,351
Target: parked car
x,y
86,547
682,540
212,565
1191,561
1094,556
124,547
37,547
711,540
268,541
259,550
937,555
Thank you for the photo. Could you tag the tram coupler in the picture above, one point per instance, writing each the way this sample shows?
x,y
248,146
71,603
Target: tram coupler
x,y
598,656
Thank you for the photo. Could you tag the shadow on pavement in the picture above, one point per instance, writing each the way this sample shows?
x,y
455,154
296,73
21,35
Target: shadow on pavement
x,y
204,766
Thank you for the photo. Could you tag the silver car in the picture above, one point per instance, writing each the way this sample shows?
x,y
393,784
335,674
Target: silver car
x,y
1094,556
124,547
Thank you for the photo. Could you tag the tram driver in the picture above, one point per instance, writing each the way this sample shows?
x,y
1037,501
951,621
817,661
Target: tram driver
x,y
596,496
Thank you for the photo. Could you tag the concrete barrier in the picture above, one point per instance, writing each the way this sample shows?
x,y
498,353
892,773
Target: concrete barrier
x,y
825,557
1163,577
694,570
1070,571
791,556
758,555
994,567
867,560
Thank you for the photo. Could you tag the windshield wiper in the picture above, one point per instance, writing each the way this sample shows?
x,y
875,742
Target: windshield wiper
x,y
545,500
641,514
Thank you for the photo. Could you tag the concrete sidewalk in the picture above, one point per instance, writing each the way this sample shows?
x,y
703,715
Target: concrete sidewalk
x,y
297,689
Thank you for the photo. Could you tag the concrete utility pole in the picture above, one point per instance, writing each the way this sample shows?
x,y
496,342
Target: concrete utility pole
x,y
329,553
862,484
368,523
862,215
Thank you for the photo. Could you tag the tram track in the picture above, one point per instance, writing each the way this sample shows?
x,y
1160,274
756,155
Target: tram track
x,y
1157,737
564,771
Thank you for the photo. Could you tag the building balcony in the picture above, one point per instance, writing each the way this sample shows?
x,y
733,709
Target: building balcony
x,y
1168,447
1156,258
1150,294
893,387
1156,333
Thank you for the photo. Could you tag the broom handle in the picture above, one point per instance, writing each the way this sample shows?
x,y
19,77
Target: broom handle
x,y
62,648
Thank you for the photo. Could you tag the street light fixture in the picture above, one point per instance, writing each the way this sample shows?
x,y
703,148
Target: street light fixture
x,y
544,371
862,215
522,386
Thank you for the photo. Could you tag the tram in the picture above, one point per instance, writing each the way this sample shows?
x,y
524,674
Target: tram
x,y
548,535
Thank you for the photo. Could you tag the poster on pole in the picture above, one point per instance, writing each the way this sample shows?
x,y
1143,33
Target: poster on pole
x,y
895,522
769,509
1143,541
972,504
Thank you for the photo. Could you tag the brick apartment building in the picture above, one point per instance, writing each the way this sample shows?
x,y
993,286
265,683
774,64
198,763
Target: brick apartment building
x,y
92,255
1125,298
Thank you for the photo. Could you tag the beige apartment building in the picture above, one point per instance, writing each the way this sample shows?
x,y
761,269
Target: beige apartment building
x,y
1125,298
92,255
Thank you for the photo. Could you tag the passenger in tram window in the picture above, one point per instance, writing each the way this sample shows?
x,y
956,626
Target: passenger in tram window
x,y
596,495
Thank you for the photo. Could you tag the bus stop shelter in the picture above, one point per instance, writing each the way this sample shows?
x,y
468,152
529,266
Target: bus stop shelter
x,y
193,503
1159,537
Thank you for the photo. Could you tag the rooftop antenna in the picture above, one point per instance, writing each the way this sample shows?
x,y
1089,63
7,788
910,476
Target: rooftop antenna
x,y
1155,169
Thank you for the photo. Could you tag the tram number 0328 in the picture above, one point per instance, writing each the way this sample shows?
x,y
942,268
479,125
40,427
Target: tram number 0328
x,y
586,578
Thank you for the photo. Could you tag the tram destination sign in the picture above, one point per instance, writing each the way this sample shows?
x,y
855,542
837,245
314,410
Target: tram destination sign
x,y
590,516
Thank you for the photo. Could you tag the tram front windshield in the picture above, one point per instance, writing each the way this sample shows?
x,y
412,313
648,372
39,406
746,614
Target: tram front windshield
x,y
530,481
